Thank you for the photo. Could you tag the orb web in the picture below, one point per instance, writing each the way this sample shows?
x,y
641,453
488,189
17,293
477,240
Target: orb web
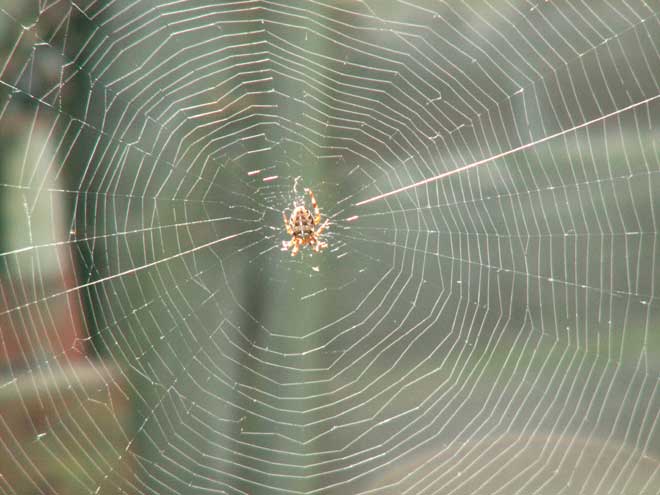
x,y
484,317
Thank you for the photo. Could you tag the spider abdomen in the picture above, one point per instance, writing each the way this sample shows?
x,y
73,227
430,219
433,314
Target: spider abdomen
x,y
302,222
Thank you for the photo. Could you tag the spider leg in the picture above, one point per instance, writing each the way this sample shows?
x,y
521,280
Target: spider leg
x,y
318,245
287,245
287,224
296,247
322,227
317,212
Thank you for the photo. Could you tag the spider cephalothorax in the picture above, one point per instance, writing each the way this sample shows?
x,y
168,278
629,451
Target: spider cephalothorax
x,y
302,226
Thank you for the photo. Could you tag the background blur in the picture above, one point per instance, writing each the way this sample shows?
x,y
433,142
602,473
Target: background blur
x,y
496,330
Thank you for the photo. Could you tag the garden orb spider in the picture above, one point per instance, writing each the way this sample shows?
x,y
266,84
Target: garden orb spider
x,y
302,227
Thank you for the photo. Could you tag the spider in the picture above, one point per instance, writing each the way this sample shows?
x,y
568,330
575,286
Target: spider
x,y
301,226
